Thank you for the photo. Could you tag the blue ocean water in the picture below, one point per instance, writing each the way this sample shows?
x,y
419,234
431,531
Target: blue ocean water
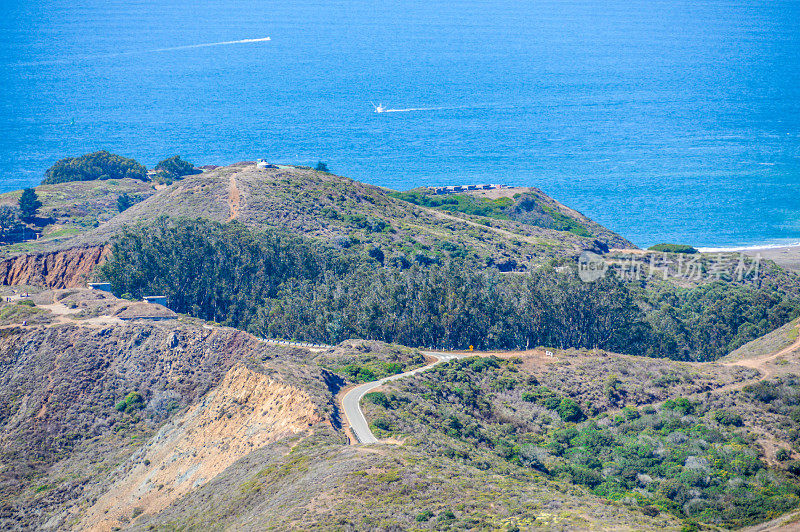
x,y
665,120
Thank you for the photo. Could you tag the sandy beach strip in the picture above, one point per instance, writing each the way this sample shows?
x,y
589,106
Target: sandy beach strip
x,y
786,256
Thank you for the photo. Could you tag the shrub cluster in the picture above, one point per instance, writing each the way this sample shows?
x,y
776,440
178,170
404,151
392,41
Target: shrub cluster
x,y
675,459
132,402
173,169
673,248
98,165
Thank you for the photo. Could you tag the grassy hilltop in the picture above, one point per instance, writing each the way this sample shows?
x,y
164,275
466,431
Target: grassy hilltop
x,y
69,209
345,212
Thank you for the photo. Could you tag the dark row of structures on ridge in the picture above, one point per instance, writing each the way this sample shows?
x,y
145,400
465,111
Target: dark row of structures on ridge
x,y
463,188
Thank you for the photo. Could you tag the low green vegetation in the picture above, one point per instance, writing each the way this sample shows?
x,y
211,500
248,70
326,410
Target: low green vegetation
x,y
363,361
132,402
94,166
375,369
673,248
368,373
459,203
566,408
526,208
21,311
681,457
562,222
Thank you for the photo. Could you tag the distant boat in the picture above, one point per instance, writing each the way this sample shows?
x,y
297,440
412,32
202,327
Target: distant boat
x,y
379,108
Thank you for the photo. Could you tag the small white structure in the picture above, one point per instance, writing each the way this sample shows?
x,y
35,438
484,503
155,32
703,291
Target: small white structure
x,y
549,354
261,164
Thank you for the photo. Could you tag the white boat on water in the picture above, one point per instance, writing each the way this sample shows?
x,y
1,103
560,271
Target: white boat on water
x,y
379,108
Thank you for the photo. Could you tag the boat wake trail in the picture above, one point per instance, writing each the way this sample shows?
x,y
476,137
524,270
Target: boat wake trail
x,y
206,45
140,52
411,109
381,109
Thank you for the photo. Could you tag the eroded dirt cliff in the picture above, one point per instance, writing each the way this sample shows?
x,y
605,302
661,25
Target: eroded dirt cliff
x,y
55,269
246,411
200,397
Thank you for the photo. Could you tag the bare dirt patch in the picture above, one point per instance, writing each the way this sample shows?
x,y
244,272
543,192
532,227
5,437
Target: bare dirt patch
x,y
247,411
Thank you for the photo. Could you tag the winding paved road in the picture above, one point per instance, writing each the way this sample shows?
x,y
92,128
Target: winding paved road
x,y
351,402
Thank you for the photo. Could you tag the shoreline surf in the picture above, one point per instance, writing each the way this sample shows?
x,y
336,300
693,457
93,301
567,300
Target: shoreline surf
x,y
752,248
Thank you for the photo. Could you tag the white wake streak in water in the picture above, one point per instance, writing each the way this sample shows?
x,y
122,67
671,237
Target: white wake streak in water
x,y
416,109
140,52
448,108
206,45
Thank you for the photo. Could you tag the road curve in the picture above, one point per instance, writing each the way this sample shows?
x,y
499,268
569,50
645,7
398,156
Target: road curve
x,y
351,402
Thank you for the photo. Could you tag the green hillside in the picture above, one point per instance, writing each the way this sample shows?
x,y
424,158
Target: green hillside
x,y
299,253
73,208
345,213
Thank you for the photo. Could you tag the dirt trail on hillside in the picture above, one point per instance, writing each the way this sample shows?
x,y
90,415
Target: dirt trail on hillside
x,y
760,363
767,441
508,234
234,199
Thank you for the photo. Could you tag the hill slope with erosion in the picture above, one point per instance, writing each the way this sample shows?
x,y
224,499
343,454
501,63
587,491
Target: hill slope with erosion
x,y
53,269
167,424
582,440
147,409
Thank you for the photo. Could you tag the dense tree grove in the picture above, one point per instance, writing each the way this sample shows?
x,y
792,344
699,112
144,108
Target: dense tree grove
x,y
712,320
98,165
174,168
446,307
217,272
284,286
